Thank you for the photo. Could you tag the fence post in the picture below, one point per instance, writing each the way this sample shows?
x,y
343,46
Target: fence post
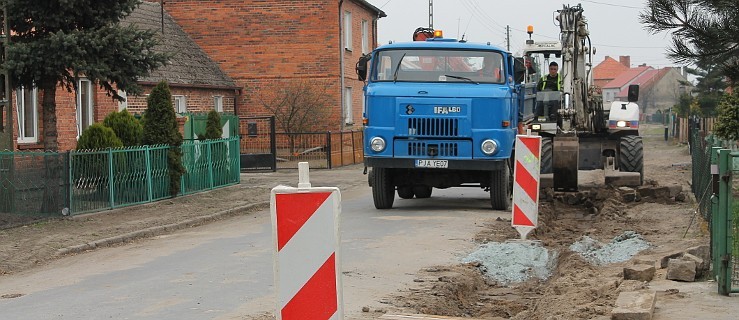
x,y
714,209
341,146
110,178
354,150
210,163
149,182
273,142
328,149
71,183
724,235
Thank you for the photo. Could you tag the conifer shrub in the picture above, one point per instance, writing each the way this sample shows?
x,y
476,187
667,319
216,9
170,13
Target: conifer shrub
x,y
160,127
126,127
98,136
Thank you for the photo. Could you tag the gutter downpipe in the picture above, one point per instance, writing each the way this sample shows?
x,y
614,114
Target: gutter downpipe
x,y
341,61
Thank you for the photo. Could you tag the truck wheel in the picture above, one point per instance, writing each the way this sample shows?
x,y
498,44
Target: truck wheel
x,y
546,155
631,156
422,192
405,192
383,191
500,188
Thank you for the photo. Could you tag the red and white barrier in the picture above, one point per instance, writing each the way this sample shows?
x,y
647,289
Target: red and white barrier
x,y
305,224
526,184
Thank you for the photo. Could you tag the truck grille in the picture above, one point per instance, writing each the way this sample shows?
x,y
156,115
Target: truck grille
x,y
445,149
433,127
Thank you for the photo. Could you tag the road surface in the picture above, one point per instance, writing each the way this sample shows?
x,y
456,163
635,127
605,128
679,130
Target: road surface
x,y
224,270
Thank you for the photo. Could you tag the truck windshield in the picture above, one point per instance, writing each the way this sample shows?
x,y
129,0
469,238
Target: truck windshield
x,y
411,65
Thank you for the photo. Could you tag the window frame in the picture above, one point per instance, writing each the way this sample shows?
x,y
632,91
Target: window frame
x,y
365,36
218,103
123,105
21,115
90,105
175,99
348,30
348,112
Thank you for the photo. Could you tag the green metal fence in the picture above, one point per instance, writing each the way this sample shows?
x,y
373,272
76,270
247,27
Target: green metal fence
x,y
33,185
725,244
113,178
715,163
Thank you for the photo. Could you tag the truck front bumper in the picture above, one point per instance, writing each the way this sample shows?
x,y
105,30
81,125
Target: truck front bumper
x,y
482,165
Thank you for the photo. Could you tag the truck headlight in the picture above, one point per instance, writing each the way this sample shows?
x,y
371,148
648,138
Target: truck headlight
x,y
621,124
489,147
377,144
535,127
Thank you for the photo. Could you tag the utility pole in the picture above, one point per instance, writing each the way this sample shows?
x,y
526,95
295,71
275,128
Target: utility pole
x,y
6,123
431,14
508,37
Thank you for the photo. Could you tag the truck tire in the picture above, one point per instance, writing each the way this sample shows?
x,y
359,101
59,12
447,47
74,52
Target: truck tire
x,y
500,189
405,192
383,190
631,156
422,192
547,153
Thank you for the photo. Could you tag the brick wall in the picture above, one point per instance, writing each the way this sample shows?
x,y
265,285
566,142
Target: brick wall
x,y
263,44
198,100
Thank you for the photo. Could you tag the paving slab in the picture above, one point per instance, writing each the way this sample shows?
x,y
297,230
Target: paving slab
x,y
634,305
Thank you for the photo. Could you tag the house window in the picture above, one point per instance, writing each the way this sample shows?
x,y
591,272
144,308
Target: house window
x,y
218,103
27,105
348,106
365,37
85,115
180,104
348,30
122,105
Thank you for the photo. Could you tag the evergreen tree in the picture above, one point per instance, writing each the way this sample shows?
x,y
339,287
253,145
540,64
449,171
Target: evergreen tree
x,y
702,31
727,124
55,43
126,127
213,129
160,127
98,136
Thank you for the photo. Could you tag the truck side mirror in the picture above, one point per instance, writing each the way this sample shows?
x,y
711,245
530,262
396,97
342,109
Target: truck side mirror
x,y
361,67
633,93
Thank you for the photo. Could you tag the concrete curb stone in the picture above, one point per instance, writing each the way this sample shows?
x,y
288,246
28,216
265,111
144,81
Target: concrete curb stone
x,y
156,230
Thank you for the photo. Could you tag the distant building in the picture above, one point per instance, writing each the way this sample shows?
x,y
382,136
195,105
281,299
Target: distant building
x,y
264,45
609,69
659,89
197,83
622,81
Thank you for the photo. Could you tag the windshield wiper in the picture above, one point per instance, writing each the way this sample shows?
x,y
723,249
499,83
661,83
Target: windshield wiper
x,y
397,67
461,78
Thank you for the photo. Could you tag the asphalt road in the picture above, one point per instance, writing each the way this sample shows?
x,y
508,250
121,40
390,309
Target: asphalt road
x,y
224,270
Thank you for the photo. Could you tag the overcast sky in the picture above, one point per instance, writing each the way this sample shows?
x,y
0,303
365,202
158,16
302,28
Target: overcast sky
x,y
614,25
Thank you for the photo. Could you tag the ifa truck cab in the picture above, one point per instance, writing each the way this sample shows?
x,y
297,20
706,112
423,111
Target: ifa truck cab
x,y
440,113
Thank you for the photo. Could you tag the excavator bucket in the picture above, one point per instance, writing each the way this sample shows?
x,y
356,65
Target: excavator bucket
x,y
564,162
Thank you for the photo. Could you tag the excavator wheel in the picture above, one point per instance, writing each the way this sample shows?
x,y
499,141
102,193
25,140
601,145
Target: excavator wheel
x,y
405,192
546,155
501,188
422,192
631,156
383,190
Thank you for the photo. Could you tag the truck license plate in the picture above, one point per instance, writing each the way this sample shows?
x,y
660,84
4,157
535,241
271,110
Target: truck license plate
x,y
432,163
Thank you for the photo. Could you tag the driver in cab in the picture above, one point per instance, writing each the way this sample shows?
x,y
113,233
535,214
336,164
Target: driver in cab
x,y
551,81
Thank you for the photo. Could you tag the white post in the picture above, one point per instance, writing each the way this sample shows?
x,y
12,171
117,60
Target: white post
x,y
303,175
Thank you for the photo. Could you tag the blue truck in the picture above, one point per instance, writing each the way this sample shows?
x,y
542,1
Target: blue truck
x,y
440,113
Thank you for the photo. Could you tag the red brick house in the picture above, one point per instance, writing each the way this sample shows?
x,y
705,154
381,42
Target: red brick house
x,y
197,83
266,44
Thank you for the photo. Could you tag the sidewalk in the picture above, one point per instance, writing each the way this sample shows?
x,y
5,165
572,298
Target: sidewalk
x,y
24,247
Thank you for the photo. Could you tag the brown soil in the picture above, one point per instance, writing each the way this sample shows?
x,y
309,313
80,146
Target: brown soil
x,y
576,289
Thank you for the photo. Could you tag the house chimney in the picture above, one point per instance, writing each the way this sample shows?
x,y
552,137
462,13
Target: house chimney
x,y
606,58
625,60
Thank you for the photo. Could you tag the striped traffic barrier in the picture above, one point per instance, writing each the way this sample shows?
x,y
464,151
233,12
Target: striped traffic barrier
x,y
305,224
526,184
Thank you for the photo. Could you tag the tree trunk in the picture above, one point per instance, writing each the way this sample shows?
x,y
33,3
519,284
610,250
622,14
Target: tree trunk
x,y
48,87
54,164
